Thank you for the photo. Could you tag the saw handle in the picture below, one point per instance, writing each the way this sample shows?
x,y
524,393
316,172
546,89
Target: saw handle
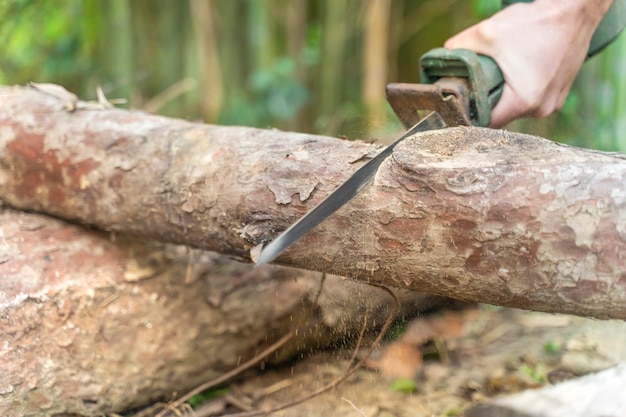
x,y
484,78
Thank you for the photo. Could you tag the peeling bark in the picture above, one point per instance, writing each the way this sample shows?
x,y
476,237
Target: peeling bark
x,y
474,214
94,325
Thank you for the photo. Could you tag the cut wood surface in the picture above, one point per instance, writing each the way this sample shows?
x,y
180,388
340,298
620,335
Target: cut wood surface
x,y
474,214
94,325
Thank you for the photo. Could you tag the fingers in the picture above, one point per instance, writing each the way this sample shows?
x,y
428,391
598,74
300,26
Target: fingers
x,y
513,106
507,109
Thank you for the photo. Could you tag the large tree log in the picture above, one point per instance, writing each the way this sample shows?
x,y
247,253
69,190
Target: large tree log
x,y
475,214
93,326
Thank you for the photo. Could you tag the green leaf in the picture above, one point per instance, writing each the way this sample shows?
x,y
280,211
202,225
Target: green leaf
x,y
203,397
551,347
403,385
486,8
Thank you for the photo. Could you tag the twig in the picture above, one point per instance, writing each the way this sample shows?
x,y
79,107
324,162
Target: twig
x,y
248,364
319,291
235,371
354,406
347,373
210,408
355,352
170,93
232,400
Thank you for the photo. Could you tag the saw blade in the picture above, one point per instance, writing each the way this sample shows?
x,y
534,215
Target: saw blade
x,y
346,191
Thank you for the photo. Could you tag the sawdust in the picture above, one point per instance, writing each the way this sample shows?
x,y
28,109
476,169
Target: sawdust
x,y
504,351
464,147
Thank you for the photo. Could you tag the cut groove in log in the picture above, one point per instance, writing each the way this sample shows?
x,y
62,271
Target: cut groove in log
x,y
474,214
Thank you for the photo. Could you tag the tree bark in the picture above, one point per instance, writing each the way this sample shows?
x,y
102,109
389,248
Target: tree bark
x,y
94,325
474,214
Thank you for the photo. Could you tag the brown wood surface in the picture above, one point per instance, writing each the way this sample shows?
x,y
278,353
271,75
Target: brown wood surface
x,y
474,214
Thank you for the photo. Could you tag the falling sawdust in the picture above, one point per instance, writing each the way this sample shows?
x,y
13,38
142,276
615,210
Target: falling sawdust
x,y
490,351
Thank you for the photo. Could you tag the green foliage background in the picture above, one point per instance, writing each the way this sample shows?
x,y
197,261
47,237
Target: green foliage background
x,y
291,64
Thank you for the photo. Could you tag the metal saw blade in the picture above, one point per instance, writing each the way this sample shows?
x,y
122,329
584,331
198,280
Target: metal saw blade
x,y
343,194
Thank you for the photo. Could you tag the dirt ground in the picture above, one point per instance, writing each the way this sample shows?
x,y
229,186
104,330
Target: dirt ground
x,y
498,351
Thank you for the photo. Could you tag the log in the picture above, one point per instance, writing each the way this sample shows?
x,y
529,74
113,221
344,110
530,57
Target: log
x,y
595,395
93,324
473,214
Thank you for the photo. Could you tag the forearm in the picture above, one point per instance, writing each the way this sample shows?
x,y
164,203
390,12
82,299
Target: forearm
x,y
591,11
583,14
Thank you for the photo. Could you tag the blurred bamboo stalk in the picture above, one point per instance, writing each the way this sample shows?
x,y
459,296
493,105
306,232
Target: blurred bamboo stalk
x,y
295,33
113,52
296,12
619,65
211,85
156,103
610,70
261,34
375,51
595,112
336,28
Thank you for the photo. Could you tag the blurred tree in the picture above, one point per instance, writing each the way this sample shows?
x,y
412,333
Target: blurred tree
x,y
209,70
375,53
595,113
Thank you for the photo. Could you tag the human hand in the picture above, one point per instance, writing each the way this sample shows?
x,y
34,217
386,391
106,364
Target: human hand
x,y
539,47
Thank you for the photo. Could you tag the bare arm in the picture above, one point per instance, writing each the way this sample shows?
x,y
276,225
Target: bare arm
x,y
540,47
